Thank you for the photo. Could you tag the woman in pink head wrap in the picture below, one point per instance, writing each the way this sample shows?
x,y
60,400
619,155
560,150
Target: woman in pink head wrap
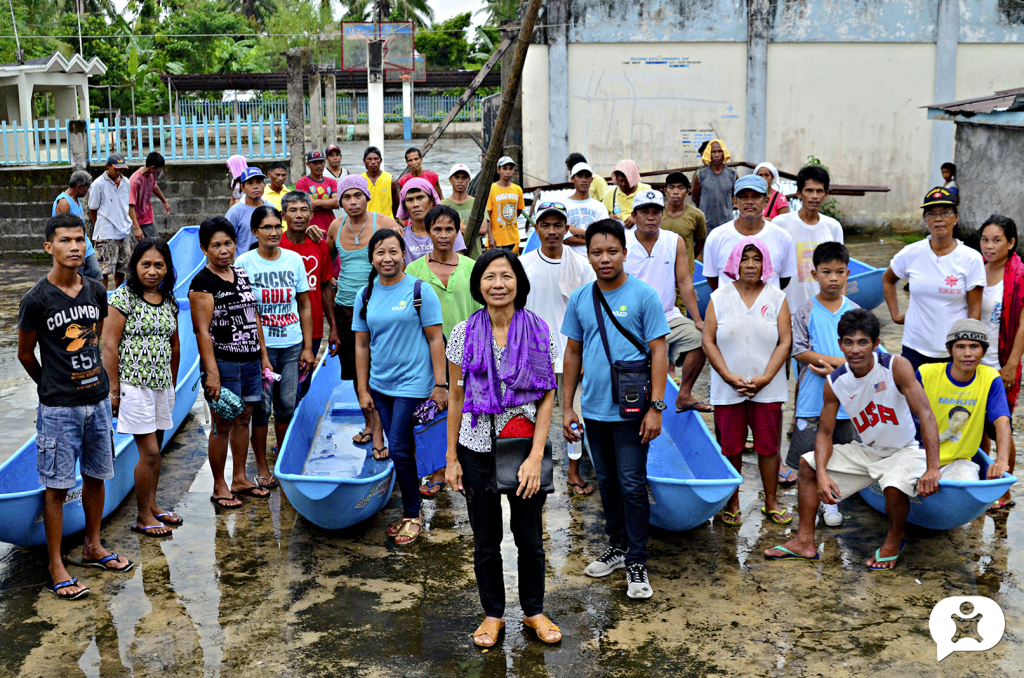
x,y
416,199
747,337
619,201
236,164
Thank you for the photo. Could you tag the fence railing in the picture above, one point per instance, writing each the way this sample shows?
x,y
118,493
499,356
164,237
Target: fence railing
x,y
39,142
429,108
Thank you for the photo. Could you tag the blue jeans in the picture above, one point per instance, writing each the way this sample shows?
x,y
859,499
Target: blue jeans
x,y
244,379
304,385
620,461
65,435
396,419
282,395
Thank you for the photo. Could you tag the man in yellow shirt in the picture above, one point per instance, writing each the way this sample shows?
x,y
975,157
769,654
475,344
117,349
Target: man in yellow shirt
x,y
504,204
619,200
598,187
383,190
278,175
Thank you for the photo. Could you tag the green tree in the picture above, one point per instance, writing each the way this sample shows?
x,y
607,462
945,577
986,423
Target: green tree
x,y
417,11
498,11
445,46
255,10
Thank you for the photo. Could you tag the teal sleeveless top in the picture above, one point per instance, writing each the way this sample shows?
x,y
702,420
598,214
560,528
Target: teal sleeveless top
x,y
355,268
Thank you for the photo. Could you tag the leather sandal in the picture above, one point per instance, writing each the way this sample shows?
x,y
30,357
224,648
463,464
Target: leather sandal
x,y
490,628
406,531
544,627
394,527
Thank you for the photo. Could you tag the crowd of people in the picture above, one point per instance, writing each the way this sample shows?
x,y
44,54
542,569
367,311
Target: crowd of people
x,y
596,320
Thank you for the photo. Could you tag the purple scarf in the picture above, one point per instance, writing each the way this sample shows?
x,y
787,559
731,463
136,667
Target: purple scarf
x,y
526,368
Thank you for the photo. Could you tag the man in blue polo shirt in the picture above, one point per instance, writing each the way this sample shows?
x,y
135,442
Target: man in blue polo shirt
x,y
617,444
253,183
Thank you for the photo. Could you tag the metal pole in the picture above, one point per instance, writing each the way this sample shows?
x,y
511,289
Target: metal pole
x,y
494,149
406,107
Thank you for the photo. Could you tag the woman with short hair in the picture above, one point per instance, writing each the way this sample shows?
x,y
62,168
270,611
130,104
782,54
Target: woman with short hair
x,y
501,366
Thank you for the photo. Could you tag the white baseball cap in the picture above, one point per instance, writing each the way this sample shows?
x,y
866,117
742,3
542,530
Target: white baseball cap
x,y
580,167
459,167
648,197
505,160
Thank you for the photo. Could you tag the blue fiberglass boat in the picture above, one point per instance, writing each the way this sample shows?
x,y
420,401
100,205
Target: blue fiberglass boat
x,y
957,502
688,479
864,286
21,495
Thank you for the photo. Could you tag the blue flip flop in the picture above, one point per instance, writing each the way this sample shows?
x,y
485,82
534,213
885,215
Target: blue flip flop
x,y
887,559
784,480
65,584
790,555
102,563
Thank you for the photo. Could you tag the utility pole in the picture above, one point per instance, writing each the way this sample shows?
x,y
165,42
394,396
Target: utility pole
x,y
375,80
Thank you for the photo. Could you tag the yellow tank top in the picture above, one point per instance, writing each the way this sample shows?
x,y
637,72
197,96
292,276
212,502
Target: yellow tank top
x,y
380,195
959,409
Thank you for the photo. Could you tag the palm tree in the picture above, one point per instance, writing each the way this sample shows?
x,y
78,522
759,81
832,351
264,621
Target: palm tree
x,y
356,10
259,10
418,11
498,11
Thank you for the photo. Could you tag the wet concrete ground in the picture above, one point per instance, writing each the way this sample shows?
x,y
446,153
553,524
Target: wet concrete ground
x,y
261,592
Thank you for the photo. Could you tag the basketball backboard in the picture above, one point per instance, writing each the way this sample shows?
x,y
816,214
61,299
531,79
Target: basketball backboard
x,y
399,44
417,75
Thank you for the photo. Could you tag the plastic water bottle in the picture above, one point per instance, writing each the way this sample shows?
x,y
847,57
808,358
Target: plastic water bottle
x,y
576,448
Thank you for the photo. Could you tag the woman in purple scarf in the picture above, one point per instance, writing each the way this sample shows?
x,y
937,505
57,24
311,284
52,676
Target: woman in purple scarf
x,y
500,364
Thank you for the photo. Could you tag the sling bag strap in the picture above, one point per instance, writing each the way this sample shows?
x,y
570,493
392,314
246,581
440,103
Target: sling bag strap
x,y
600,301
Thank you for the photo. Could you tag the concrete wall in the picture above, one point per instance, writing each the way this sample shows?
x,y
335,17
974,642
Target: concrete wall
x,y
990,162
536,111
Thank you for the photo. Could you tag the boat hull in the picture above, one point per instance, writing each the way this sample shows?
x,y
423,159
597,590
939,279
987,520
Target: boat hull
x,y
957,502
21,495
328,502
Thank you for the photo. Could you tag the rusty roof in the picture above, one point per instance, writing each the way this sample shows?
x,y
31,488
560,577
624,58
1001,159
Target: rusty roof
x,y
1006,100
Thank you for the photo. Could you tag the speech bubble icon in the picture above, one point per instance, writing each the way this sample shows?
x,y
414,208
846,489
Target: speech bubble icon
x,y
965,618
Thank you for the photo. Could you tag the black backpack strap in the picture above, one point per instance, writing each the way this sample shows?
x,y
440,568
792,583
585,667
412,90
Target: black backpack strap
x,y
366,295
599,303
417,298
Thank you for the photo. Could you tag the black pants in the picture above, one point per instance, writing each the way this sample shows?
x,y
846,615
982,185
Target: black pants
x,y
485,518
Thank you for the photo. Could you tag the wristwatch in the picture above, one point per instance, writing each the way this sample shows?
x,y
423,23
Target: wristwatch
x,y
659,405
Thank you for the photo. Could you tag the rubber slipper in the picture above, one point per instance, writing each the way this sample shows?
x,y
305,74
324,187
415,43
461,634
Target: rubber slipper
x,y
732,519
784,480
219,502
1001,506
887,559
270,484
580,489
146,530
776,516
362,438
253,492
428,493
65,584
790,555
384,456
696,405
171,521
102,563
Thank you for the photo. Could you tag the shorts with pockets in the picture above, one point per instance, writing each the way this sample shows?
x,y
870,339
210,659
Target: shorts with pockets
x,y
855,466
113,255
763,419
244,379
806,430
683,337
150,230
144,410
66,435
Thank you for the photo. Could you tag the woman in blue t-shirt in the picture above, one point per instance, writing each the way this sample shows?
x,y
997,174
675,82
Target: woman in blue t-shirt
x,y
408,366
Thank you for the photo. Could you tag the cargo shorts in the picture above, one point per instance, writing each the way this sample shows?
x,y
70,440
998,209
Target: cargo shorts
x,y
81,434
113,255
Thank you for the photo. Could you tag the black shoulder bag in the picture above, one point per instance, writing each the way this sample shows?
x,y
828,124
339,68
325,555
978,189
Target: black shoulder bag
x,y
631,379
509,455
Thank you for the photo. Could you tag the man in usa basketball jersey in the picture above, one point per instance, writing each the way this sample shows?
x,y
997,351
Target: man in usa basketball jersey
x,y
880,392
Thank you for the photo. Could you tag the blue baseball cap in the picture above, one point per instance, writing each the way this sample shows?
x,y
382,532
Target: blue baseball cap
x,y
251,173
751,181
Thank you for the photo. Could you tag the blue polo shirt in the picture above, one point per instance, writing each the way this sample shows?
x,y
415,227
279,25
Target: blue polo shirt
x,y
638,309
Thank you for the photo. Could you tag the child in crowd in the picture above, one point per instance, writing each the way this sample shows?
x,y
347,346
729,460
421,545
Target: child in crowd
x,y
504,204
816,348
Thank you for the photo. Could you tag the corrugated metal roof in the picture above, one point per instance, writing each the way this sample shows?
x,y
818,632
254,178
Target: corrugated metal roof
x,y
1005,100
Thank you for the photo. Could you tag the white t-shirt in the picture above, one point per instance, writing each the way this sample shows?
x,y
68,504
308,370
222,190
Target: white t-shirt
x,y
991,316
582,213
938,292
723,239
276,285
546,297
806,238
657,269
747,337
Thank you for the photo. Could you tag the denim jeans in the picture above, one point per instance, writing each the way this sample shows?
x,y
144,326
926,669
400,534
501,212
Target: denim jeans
x,y
620,461
81,433
282,395
304,384
486,520
396,419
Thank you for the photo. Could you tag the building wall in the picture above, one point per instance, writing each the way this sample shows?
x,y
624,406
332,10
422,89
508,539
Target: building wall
x,y
535,114
979,150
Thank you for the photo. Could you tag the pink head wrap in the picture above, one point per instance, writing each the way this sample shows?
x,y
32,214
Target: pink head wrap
x,y
236,164
351,181
418,183
732,264
630,170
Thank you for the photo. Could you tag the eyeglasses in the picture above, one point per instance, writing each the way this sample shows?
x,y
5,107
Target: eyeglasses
x,y
945,214
552,205
269,227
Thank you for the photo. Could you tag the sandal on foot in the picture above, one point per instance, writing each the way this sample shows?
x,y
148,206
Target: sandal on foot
x,y
790,555
102,563
253,492
167,518
490,628
219,502
879,558
776,516
384,456
732,518
784,480
66,584
583,489
406,531
543,627
267,483
363,437
146,530
1001,506
429,492
393,527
